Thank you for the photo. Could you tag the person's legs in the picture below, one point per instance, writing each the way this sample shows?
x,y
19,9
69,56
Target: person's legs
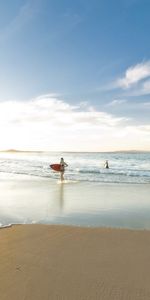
x,y
62,175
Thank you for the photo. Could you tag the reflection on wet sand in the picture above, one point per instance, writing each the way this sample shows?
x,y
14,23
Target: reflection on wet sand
x,y
26,201
55,205
61,197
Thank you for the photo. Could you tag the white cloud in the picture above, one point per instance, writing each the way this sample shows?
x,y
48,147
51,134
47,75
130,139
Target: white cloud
x,y
134,75
48,123
133,137
144,128
116,102
141,89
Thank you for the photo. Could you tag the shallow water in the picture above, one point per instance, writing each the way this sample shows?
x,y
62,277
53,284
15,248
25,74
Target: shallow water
x,y
26,199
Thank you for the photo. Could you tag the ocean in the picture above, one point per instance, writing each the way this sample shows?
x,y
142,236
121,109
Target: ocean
x,y
124,167
30,192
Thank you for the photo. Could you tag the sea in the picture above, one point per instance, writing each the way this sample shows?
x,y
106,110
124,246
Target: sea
x,y
90,196
124,167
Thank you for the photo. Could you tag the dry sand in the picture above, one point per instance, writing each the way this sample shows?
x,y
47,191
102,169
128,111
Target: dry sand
x,y
43,262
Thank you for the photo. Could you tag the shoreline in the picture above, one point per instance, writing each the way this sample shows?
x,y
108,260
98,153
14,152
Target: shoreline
x,y
76,226
102,205
67,262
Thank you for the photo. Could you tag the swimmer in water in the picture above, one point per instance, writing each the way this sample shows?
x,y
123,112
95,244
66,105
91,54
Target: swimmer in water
x,y
106,165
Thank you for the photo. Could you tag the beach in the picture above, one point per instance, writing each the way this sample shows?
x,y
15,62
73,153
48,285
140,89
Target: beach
x,y
64,262
73,240
85,238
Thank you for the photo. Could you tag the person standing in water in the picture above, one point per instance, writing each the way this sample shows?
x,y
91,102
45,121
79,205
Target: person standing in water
x,y
106,165
63,165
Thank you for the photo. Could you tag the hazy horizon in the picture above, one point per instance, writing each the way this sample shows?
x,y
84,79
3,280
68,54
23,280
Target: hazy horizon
x,y
40,151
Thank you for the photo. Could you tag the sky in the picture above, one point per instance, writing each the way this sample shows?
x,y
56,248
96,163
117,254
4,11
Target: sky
x,y
75,75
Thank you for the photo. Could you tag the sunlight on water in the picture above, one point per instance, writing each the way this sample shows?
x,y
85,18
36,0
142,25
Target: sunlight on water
x,y
124,167
90,195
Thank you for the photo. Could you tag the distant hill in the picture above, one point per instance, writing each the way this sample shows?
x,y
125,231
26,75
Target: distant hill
x,y
20,151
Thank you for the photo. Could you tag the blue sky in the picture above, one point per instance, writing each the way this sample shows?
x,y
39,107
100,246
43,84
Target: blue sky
x,y
90,56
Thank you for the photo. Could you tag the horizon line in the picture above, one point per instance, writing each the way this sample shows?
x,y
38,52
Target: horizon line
x,y
41,151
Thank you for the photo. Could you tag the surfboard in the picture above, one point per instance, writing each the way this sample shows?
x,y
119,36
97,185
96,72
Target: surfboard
x,y
56,167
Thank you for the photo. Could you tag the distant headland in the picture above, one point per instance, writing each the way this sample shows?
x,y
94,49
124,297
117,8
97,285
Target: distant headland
x,y
64,151
20,151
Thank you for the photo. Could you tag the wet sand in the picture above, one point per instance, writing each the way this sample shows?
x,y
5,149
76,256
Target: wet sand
x,y
30,200
60,262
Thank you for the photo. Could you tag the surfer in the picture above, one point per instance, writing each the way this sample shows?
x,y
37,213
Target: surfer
x,y
106,165
63,165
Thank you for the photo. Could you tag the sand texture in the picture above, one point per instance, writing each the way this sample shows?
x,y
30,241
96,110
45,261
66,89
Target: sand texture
x,y
43,262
